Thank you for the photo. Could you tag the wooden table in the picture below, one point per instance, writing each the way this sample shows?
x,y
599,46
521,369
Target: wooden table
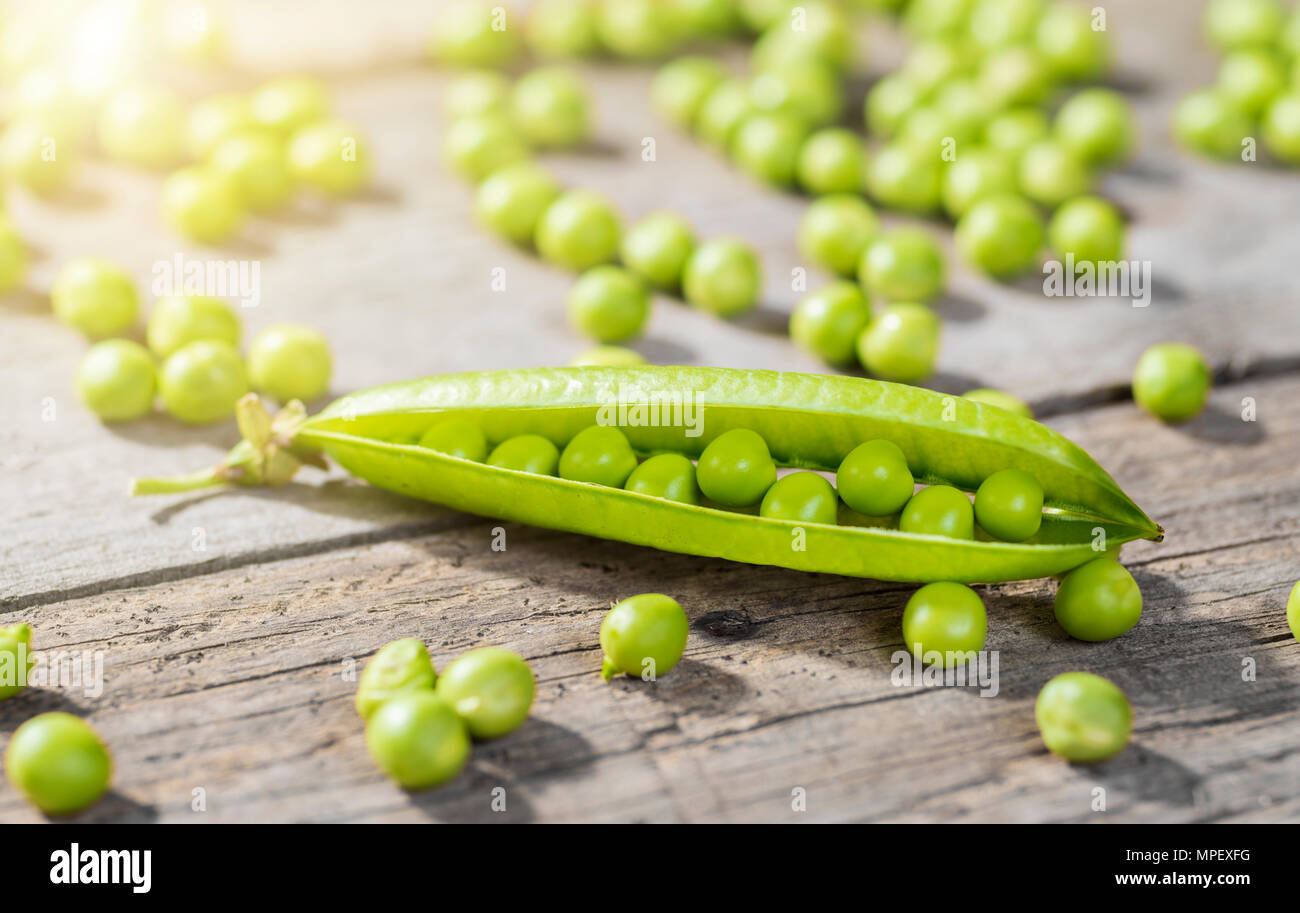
x,y
231,625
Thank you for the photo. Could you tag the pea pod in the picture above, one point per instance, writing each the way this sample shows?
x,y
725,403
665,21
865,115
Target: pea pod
x,y
808,421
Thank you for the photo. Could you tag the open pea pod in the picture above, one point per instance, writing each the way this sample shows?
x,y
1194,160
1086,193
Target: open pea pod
x,y
808,421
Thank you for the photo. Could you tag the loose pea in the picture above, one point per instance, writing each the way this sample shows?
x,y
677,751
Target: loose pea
x,y
1097,601
1009,505
476,92
25,155
288,361
903,176
562,29
760,15
939,510
457,437
874,479
201,382
1072,48
491,688
1210,124
1099,126
1281,126
901,343
1015,76
214,119
1251,79
144,126
289,103
13,258
638,29
59,763
1001,400
722,111
526,453
976,175
397,668
202,205
705,19
888,104
608,356
16,659
95,296
1172,382
1001,235
832,160
511,200
931,18
965,105
609,304
1088,228
475,33
825,37
643,636
801,497
1235,24
947,619
599,455
177,320
330,155
550,108
1014,131
903,265
1293,611
117,380
932,131
679,88
581,229
669,476
256,164
1051,173
835,231
807,90
1083,717
723,276
934,61
1004,23
767,147
736,469
417,739
827,322
657,247
1289,42
477,146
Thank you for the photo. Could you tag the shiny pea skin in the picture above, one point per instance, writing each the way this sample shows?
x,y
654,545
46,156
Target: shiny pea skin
x,y
808,90
977,174
736,469
903,265
643,636
59,763
1098,601
874,479
1210,124
939,510
901,343
889,103
800,497
1099,126
549,106
599,455
1089,229
1009,505
670,476
480,144
1012,132
472,33
608,304
201,382
1172,382
179,320
679,89
511,201
457,437
476,92
723,276
15,657
401,666
288,361
1083,717
491,688
117,380
581,229
1051,173
945,618
1001,235
561,29
95,296
827,322
657,247
202,204
722,111
903,177
526,453
417,739
256,163
1071,47
835,231
832,160
767,147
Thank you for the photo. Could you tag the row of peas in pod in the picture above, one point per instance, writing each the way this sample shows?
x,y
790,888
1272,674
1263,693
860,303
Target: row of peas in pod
x,y
190,361
1257,89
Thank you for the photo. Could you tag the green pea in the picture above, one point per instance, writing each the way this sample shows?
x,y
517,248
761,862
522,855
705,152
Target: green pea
x,y
482,144
1083,717
1235,24
1001,235
13,258
256,163
117,380
526,453
705,19
874,479
1289,42
679,89
1293,611
201,382
832,160
903,265
827,322
637,29
16,659
826,37
902,176
657,247
723,277
1088,228
562,29
1098,601
1210,124
736,469
599,455
474,93
976,175
767,147
1004,23
1172,382
25,158
1251,79
95,296
1099,126
934,61
1281,126
670,476
1015,76
457,437
835,231
215,118
807,90
511,200
143,126
1009,505
417,739
1002,400
474,33
581,229
722,111
609,304
888,104
179,320
1012,132
936,18
938,132
202,204
608,356
1051,173
287,361
398,667
289,103
800,497
550,108
963,101
643,636
491,688
59,763
939,510
332,156
901,343
1071,47
945,618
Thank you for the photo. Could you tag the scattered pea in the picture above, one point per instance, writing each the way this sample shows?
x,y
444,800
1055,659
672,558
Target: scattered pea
x,y
117,380
767,147
1051,173
289,103
825,37
330,155
1015,76
1236,24
491,688
874,479
177,320
38,155
670,476
932,62
706,19
1009,505
476,92
214,119
1293,611
976,175
736,469
637,29
835,231
417,739
901,343
643,636
96,297
457,437
511,200
809,91
903,176
608,357
1281,126
287,361
475,33
398,667
598,455
201,382
1071,47
1088,228
941,133
680,88
936,18
59,763
828,321
609,304
1208,123
202,205
562,29
16,659
945,618
722,111
657,247
1083,717
1004,23
256,164
483,144
526,453
888,104
1012,132
144,126
1002,400
1098,601
800,497
903,265
581,229
723,276
1172,382
1001,235
550,108
1099,126
832,160
939,510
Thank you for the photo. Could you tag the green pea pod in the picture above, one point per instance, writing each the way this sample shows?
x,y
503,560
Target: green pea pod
x,y
808,421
